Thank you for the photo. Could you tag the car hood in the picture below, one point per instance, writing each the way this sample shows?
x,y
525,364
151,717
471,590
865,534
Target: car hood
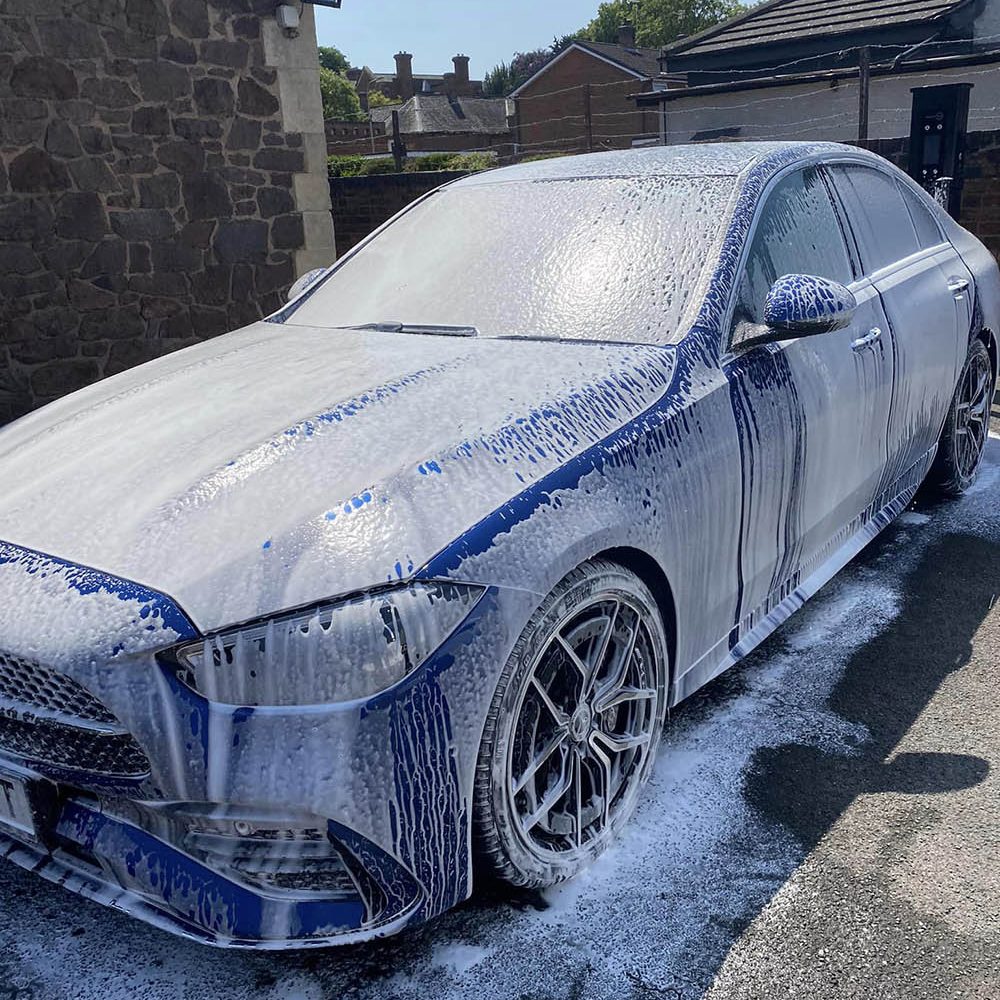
x,y
280,465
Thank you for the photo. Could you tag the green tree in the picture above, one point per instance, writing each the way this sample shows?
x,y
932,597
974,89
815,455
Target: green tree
x,y
376,99
340,99
507,77
658,22
333,59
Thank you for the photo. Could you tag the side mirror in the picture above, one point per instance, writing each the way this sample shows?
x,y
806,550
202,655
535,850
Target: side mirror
x,y
801,305
307,279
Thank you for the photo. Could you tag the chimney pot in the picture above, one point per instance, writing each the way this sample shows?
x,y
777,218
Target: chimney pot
x,y
626,36
404,75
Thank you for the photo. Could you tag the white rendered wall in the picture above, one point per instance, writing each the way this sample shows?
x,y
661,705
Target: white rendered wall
x,y
830,111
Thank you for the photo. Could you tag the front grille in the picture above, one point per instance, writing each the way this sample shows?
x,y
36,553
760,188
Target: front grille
x,y
49,720
40,689
311,881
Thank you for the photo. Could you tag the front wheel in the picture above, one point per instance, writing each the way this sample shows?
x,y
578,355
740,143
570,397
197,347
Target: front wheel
x,y
963,440
573,728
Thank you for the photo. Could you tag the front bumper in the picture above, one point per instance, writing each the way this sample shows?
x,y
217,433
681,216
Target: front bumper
x,y
116,861
389,780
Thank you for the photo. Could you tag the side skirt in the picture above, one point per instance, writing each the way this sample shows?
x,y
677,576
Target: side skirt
x,y
792,594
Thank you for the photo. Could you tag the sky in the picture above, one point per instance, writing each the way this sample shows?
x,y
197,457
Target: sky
x,y
371,32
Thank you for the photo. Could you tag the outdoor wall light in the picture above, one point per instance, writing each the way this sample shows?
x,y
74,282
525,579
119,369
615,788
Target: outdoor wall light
x,y
287,17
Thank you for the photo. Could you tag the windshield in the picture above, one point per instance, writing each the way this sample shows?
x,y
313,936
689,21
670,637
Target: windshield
x,y
618,259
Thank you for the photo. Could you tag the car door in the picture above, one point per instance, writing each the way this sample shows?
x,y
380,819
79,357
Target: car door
x,y
926,293
812,413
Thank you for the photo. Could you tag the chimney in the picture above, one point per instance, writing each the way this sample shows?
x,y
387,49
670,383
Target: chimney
x,y
462,75
404,75
626,36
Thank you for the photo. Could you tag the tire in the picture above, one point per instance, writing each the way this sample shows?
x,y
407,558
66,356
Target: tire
x,y
578,727
967,426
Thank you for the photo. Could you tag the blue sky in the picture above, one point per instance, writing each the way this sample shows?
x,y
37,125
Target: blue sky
x,y
372,31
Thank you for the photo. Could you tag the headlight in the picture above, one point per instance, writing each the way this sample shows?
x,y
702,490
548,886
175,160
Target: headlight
x,y
338,653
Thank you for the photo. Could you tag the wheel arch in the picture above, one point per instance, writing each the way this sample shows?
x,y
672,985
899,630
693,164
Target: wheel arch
x,y
652,575
988,337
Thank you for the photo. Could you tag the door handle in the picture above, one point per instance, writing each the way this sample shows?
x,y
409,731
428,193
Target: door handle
x,y
958,285
872,337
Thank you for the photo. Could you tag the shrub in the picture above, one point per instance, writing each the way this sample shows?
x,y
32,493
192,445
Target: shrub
x,y
534,158
452,161
366,166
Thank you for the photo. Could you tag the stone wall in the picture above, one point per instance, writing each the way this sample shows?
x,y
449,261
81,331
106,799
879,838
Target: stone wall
x,y
362,204
162,180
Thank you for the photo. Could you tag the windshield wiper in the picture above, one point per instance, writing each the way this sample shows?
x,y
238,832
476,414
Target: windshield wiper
x,y
430,329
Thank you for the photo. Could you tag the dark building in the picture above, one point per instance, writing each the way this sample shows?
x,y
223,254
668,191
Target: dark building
x,y
403,83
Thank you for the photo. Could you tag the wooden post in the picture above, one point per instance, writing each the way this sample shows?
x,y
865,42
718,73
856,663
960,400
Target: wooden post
x,y
865,81
398,149
588,117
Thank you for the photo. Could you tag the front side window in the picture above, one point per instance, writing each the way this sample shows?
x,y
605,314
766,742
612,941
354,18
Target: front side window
x,y
798,232
881,220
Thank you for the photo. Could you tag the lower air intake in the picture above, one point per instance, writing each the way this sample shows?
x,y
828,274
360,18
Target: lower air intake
x,y
46,718
68,748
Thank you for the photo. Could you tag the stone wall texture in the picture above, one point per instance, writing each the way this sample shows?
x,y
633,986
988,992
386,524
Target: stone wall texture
x,y
362,204
152,191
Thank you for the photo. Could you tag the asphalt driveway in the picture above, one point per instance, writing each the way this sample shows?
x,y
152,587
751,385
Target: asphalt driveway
x,y
824,821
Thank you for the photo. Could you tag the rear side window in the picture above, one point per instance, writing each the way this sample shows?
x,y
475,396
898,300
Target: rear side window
x,y
928,231
881,220
798,232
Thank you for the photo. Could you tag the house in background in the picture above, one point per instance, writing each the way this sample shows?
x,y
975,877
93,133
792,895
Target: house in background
x,y
404,83
437,114
791,69
430,123
581,99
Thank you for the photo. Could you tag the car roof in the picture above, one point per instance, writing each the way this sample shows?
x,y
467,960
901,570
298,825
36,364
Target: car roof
x,y
716,159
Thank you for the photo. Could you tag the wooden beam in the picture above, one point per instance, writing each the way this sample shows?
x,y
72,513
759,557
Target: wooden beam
x,y
864,90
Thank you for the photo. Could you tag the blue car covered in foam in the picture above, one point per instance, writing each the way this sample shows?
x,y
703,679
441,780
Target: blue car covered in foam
x,y
305,626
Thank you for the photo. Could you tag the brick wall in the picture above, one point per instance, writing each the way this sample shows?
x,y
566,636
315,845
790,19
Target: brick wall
x,y
551,112
162,180
350,138
362,204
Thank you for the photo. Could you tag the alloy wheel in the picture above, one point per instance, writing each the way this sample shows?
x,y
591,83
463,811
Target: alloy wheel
x,y
585,729
972,415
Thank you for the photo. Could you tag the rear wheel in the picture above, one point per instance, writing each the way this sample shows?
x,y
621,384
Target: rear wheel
x,y
963,441
573,728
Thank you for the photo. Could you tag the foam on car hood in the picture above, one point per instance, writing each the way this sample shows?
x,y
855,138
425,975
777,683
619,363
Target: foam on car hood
x,y
280,465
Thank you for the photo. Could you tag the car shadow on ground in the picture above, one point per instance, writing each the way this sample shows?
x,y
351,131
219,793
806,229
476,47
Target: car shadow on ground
x,y
886,685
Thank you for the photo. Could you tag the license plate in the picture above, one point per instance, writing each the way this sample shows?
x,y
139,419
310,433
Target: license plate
x,y
16,815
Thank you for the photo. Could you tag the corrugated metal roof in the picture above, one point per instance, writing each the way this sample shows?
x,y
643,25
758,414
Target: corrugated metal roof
x,y
793,20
